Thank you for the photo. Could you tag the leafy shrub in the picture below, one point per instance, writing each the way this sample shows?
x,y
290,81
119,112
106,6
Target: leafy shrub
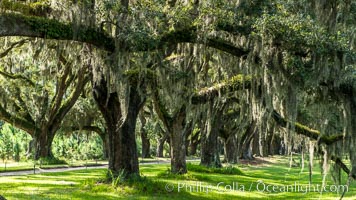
x,y
51,161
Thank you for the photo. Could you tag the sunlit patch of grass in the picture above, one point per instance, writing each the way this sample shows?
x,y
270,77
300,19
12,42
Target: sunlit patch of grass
x,y
156,182
29,165
223,170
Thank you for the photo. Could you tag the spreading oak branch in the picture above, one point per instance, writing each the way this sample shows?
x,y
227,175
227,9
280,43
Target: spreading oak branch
x,y
30,26
235,83
13,45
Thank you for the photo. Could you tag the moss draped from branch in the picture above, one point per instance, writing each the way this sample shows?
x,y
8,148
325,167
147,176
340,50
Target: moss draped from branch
x,y
38,8
237,82
30,26
17,76
306,131
20,25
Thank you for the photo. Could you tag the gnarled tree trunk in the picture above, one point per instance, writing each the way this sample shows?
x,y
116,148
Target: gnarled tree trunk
x,y
245,149
122,143
160,145
210,155
42,143
230,149
178,131
193,144
178,149
144,139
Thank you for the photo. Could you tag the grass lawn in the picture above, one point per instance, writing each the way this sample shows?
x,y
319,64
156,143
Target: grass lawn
x,y
17,166
243,181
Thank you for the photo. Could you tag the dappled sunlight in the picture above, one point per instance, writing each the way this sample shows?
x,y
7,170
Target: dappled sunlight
x,y
177,99
38,181
157,182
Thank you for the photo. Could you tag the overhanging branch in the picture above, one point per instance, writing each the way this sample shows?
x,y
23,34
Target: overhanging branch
x,y
29,26
17,76
83,79
18,122
13,45
306,131
236,83
190,35
20,25
342,165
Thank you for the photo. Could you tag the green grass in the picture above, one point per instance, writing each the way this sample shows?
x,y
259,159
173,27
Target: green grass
x,y
157,183
18,166
224,170
28,165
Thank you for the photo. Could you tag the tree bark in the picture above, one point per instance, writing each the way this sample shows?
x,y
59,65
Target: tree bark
x,y
178,143
245,149
193,143
21,25
145,145
109,106
122,143
144,139
177,128
160,145
178,150
275,145
247,152
256,144
42,143
353,129
236,83
210,155
126,156
230,149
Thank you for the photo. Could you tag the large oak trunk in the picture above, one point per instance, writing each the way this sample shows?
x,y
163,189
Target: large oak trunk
x,y
193,147
145,145
230,149
144,139
210,155
178,132
42,143
178,149
275,145
245,149
160,145
126,157
353,130
122,143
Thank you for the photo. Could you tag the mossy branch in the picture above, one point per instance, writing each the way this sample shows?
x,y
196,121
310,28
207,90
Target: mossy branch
x,y
30,26
236,83
315,134
13,45
39,8
190,35
306,131
342,165
17,76
19,122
